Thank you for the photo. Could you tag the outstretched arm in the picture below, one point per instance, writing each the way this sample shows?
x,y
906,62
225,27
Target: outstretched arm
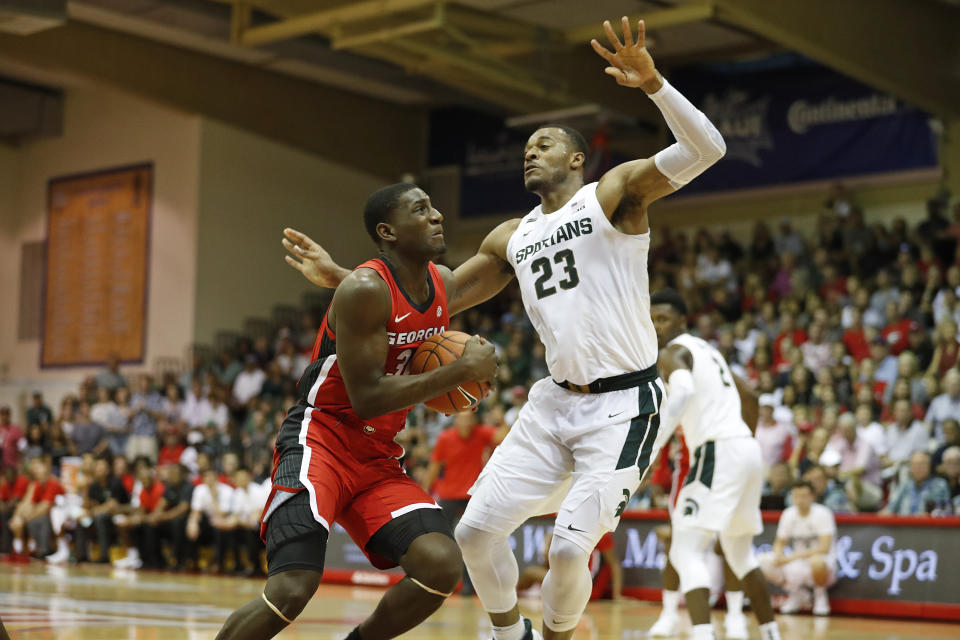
x,y
486,274
476,280
626,190
676,367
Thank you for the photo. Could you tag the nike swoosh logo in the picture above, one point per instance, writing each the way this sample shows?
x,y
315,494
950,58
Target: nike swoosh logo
x,y
614,415
571,527
400,318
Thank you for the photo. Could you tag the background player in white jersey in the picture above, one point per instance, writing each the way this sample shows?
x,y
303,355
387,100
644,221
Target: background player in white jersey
x,y
586,436
810,532
721,494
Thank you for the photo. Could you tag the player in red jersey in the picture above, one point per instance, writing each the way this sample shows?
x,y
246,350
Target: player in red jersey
x,y
335,457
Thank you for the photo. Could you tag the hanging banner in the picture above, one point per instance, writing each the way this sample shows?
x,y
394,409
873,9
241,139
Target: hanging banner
x,y
803,123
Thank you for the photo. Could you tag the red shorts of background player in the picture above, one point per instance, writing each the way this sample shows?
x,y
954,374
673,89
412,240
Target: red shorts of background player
x,y
326,470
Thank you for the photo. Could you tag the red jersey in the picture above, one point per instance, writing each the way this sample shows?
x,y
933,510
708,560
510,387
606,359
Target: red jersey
x,y
14,490
463,460
150,498
408,325
47,491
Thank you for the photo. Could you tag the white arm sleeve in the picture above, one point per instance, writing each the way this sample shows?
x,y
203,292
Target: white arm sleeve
x,y
679,391
698,144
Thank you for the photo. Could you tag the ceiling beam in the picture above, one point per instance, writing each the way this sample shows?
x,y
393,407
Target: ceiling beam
x,y
909,49
340,126
321,21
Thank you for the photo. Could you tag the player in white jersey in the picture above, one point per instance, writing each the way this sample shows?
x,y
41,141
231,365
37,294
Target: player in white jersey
x,y
721,494
585,438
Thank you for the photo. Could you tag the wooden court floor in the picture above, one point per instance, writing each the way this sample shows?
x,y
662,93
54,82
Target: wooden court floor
x,y
94,602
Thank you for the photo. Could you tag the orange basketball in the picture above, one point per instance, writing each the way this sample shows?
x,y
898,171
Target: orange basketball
x,y
437,351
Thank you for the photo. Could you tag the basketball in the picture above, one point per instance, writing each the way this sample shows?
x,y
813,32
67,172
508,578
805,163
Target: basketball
x,y
437,351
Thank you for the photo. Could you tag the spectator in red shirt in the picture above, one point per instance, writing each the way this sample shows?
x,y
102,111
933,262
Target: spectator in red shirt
x,y
12,490
947,349
855,339
146,502
172,447
457,459
788,329
11,440
31,518
897,330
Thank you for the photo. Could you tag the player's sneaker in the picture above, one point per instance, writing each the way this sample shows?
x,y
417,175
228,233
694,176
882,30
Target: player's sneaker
x,y
796,601
735,627
665,626
60,557
821,603
131,561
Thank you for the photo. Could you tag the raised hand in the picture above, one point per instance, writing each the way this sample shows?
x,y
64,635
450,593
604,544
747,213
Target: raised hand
x,y
312,260
630,62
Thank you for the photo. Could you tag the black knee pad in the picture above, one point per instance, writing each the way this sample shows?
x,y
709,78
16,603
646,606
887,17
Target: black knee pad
x,y
392,540
294,539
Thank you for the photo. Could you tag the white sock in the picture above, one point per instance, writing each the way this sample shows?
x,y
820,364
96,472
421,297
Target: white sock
x,y
32,544
703,632
671,601
819,591
18,545
735,602
133,552
770,631
513,632
62,546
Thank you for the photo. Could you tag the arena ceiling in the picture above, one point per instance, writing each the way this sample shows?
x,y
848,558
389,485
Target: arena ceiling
x,y
392,59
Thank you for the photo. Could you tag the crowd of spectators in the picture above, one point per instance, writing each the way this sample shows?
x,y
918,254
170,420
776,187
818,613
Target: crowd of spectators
x,y
849,336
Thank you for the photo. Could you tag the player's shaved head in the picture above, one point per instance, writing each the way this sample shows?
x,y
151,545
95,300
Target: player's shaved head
x,y
577,142
670,297
380,204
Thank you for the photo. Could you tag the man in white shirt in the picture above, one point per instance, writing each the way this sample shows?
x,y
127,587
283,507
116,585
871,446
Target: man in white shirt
x,y
871,430
859,465
249,381
810,532
945,406
246,506
209,509
904,436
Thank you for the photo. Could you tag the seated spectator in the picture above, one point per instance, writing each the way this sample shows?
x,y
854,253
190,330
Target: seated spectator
x,y
146,408
209,510
859,466
922,493
946,348
110,378
12,489
65,516
904,436
249,381
804,552
39,412
215,411
816,352
951,438
135,526
950,470
826,490
172,403
810,446
945,406
775,437
12,440
774,497
173,445
87,435
243,521
30,524
897,330
106,497
871,430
